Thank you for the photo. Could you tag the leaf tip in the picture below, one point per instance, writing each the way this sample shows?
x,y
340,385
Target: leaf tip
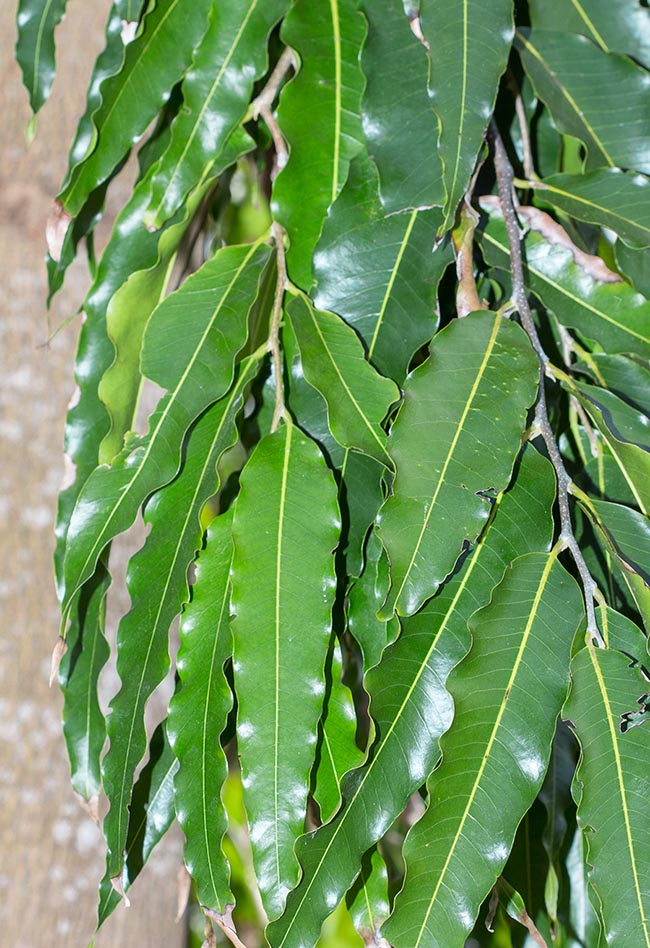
x,y
59,650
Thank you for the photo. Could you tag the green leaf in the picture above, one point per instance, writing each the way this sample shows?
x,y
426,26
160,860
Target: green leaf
x,y
198,714
152,813
216,91
608,197
454,443
84,727
338,752
381,274
129,100
627,435
611,313
622,634
628,377
411,707
194,361
368,898
37,21
631,263
582,917
495,755
361,495
323,134
399,123
613,801
286,513
157,584
617,26
583,88
465,73
333,360
365,599
627,531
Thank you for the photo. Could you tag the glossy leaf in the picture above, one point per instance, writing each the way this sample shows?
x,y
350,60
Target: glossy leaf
x,y
365,599
613,805
286,509
195,363
161,52
627,531
465,74
216,92
338,752
454,443
161,565
582,916
198,714
600,98
368,899
628,377
381,274
326,38
333,360
495,755
617,26
611,313
411,707
608,197
37,21
399,123
151,815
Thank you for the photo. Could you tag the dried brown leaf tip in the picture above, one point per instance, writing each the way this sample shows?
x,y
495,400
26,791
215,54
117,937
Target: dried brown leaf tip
x,y
58,652
225,923
184,887
55,230
118,885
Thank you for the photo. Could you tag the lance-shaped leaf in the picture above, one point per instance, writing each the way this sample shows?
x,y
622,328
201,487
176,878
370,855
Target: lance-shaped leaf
x,y
626,530
283,583
608,197
338,752
198,714
368,898
84,727
216,92
617,26
583,88
631,263
194,360
411,707
613,797
151,815
582,916
381,274
153,63
622,634
333,360
454,442
131,306
465,73
157,584
627,376
627,435
323,132
494,757
365,599
399,123
37,21
588,298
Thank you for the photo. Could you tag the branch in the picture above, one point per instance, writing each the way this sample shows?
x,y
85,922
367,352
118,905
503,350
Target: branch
x,y
262,106
505,184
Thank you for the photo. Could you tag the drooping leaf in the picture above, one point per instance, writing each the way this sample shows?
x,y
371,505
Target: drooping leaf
x,y
628,377
411,707
216,91
617,26
129,99
582,917
157,583
84,727
339,752
365,599
37,20
613,804
454,442
381,274
495,755
609,312
194,361
399,123
627,435
333,360
465,73
368,898
628,532
583,88
322,136
286,513
131,306
608,197
198,714
152,813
